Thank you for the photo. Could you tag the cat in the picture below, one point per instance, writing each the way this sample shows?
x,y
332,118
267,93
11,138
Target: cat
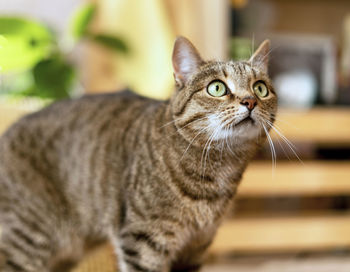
x,y
154,178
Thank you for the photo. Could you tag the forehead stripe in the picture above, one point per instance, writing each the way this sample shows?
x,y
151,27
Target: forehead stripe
x,y
239,70
224,72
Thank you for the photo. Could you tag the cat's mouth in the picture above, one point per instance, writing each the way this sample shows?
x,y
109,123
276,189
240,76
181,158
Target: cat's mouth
x,y
247,120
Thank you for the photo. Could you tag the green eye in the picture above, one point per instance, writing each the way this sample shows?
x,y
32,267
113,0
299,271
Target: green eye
x,y
216,88
260,89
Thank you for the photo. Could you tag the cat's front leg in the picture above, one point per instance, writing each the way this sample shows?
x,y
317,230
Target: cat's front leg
x,y
141,251
191,257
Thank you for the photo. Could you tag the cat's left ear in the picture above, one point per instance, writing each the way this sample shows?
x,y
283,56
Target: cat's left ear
x,y
186,60
260,57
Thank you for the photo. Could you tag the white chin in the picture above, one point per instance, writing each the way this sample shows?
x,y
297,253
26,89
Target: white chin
x,y
246,131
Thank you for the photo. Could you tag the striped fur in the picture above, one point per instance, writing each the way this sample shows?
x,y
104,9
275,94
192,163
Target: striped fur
x,y
153,177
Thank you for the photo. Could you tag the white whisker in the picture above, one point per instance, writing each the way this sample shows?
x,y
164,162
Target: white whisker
x,y
203,129
204,153
181,118
284,151
228,144
272,148
252,49
289,143
209,146
173,121
280,120
267,54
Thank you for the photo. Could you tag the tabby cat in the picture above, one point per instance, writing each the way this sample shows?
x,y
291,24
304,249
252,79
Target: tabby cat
x,y
154,178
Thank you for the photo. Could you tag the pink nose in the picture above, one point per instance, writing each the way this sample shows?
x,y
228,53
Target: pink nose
x,y
249,102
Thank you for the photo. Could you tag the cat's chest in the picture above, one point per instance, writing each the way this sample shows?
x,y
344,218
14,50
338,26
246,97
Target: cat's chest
x,y
208,213
199,236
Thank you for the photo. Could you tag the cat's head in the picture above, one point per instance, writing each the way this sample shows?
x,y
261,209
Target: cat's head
x,y
217,100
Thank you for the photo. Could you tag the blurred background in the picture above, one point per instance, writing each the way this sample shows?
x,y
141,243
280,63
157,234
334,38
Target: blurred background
x,y
294,216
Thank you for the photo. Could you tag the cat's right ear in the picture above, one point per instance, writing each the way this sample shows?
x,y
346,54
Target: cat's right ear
x,y
260,57
186,60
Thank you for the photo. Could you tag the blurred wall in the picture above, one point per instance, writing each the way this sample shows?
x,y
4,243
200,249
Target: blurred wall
x,y
325,17
55,13
150,28
145,27
312,16
205,22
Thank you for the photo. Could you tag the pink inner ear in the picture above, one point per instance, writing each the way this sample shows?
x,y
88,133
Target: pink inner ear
x,y
186,59
260,57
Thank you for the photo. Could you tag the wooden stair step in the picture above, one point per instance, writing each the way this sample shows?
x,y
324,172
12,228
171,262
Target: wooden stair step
x,y
285,234
318,125
313,178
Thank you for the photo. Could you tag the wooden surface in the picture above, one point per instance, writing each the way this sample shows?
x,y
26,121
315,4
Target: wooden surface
x,y
319,125
283,234
295,178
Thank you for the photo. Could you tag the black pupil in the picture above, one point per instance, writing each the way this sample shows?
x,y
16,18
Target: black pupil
x,y
217,87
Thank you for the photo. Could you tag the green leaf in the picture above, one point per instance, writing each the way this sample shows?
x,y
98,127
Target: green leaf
x,y
54,78
110,41
82,19
23,43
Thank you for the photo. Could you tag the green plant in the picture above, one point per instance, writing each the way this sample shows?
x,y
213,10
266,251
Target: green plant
x,y
31,61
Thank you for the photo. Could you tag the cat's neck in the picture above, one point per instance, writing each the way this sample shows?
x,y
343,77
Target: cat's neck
x,y
210,156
